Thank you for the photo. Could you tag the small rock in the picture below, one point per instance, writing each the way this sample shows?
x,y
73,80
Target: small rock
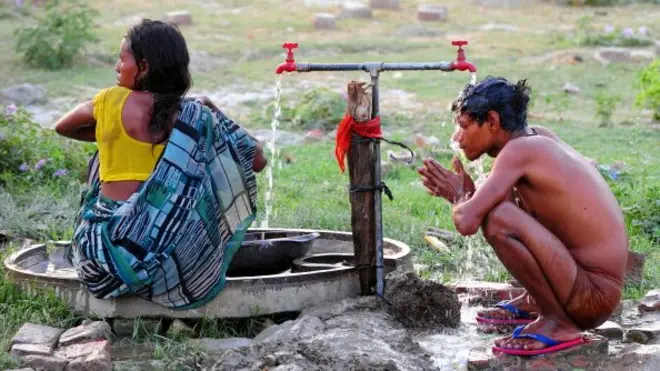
x,y
178,327
657,47
613,55
635,265
384,4
478,361
151,365
45,363
314,135
579,361
427,13
217,345
644,334
642,55
417,31
93,355
322,3
570,88
129,327
272,330
30,333
610,330
23,94
500,27
324,21
22,350
92,331
180,18
650,302
355,9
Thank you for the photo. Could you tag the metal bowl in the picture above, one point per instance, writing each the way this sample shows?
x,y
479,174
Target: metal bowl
x,y
264,253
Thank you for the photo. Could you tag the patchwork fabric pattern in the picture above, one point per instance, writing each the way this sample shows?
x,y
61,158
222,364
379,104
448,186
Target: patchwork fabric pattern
x,y
172,241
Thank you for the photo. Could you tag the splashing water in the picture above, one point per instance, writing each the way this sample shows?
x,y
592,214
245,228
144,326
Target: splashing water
x,y
473,78
274,154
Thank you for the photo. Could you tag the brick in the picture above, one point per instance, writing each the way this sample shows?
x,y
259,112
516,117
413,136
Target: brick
x,y
427,13
31,333
92,331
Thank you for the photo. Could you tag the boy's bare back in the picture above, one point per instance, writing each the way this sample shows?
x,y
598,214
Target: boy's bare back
x,y
567,194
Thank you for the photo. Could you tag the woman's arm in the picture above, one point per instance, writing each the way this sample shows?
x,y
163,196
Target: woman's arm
x,y
79,123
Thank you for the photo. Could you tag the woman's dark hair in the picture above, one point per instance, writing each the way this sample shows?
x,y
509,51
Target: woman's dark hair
x,y
164,49
496,94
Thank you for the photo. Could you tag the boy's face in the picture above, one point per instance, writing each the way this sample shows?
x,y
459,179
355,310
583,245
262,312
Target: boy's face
x,y
473,139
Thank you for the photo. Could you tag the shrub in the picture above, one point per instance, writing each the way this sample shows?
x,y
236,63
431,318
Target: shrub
x,y
32,154
605,107
59,35
649,83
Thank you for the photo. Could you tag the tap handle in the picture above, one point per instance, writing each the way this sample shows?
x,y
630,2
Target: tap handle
x,y
289,55
460,53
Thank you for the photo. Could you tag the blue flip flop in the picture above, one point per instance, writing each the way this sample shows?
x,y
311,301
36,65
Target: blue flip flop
x,y
551,344
521,317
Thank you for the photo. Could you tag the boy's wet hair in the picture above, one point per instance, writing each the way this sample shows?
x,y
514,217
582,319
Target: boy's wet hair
x,y
495,94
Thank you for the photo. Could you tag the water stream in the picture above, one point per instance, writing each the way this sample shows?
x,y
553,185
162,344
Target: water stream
x,y
274,155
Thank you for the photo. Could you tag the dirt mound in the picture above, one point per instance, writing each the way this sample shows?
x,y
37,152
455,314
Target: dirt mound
x,y
420,304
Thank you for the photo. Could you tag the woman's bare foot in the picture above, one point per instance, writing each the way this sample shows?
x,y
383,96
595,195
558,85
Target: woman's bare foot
x,y
556,330
523,302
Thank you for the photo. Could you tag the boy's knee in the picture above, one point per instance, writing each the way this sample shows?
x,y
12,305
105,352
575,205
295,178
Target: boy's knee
x,y
498,222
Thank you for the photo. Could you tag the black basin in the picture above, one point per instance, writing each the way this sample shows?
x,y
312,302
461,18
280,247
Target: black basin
x,y
264,253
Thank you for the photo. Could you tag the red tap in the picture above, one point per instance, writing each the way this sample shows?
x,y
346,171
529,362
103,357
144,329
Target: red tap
x,y
290,64
460,63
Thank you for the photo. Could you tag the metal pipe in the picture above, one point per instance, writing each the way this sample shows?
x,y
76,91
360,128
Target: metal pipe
x,y
378,196
375,66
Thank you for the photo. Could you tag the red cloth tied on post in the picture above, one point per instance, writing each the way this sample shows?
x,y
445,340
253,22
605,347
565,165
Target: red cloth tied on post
x,y
369,129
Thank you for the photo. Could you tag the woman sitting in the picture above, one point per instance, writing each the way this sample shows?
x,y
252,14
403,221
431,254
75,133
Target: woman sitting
x,y
172,186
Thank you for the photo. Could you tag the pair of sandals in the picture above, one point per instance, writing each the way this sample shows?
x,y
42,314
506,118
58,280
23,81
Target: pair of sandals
x,y
522,318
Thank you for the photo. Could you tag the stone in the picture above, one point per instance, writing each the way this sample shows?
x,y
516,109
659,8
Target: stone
x,y
650,302
579,361
430,12
657,47
22,94
384,4
45,363
499,27
417,31
635,267
613,55
94,355
490,292
644,334
21,350
31,333
322,3
218,345
325,21
86,332
178,327
180,17
314,135
355,9
610,330
571,88
642,56
130,328
478,361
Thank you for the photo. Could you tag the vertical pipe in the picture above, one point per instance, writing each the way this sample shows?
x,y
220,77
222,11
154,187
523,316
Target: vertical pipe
x,y
378,207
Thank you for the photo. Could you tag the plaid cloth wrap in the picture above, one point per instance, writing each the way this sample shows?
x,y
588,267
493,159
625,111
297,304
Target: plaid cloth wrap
x,y
172,241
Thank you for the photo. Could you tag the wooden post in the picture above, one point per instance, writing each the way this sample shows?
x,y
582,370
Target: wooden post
x,y
361,160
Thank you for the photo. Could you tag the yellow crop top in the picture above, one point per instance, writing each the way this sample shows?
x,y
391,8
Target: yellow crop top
x,y
121,157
